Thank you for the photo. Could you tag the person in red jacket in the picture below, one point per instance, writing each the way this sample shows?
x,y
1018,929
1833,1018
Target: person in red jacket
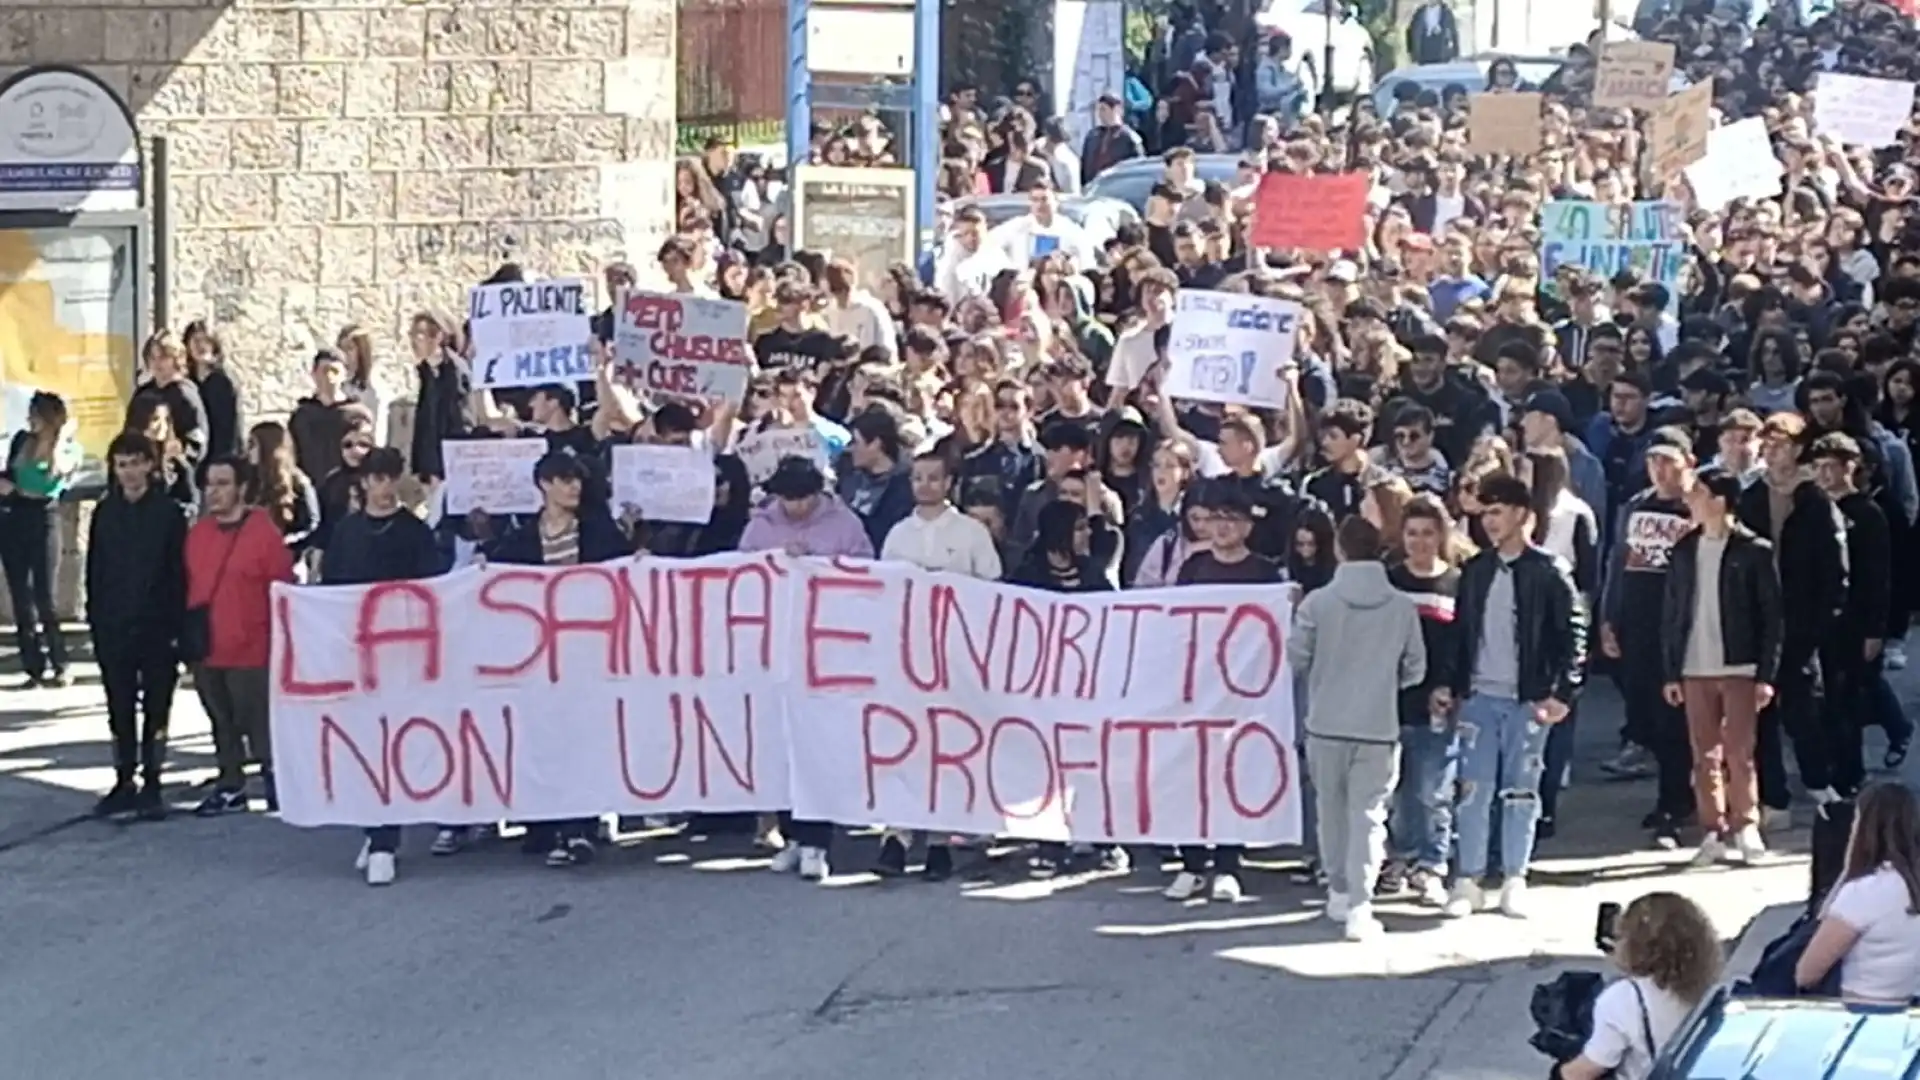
x,y
234,554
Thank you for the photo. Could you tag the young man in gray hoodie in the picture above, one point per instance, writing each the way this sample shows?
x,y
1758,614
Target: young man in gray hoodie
x,y
1342,636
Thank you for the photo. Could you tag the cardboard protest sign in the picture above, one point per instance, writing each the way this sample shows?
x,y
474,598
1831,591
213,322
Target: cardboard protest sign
x,y
762,450
1321,212
1677,129
1633,74
1505,123
673,343
1644,237
1228,347
530,333
1740,164
665,483
930,701
1860,111
495,475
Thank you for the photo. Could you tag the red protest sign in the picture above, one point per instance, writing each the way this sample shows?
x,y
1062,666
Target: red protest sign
x,y
1322,212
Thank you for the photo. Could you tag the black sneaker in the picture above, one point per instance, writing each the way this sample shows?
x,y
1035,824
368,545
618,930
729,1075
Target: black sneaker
x,y
892,860
116,803
1392,881
578,851
1543,829
222,802
32,682
1655,819
939,863
150,805
271,792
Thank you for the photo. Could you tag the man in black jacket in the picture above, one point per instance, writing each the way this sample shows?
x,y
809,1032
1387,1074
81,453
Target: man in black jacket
x,y
1850,653
1111,141
1786,507
1720,631
136,580
1522,645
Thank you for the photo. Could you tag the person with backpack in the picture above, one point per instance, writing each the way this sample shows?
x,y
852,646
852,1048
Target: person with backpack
x,y
1669,953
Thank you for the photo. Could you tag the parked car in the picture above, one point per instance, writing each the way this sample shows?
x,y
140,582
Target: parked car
x,y
1306,22
1132,181
1472,74
1100,217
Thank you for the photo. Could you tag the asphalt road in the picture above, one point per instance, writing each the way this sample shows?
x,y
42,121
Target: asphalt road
x,y
244,948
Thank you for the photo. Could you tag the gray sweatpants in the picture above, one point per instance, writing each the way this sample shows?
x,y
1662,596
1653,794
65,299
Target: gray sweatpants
x,y
1352,782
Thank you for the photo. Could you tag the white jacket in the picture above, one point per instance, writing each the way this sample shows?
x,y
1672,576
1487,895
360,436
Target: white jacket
x,y
1018,241
952,542
865,319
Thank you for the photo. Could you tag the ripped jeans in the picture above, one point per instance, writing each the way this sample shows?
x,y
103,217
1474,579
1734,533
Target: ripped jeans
x,y
1502,751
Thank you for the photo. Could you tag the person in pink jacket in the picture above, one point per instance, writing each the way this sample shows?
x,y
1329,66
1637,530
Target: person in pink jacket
x,y
800,518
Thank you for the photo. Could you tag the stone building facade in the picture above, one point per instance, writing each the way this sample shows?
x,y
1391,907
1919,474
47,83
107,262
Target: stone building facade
x,y
356,161
339,161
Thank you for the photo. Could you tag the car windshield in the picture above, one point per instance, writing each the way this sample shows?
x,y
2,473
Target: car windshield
x,y
1133,182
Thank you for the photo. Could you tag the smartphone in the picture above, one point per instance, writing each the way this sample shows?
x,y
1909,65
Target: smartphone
x,y
1604,933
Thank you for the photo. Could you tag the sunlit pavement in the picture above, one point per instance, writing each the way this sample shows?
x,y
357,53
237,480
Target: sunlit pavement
x,y
243,948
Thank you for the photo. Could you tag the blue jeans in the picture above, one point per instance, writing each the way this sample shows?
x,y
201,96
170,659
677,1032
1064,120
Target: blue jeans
x,y
1502,752
1421,823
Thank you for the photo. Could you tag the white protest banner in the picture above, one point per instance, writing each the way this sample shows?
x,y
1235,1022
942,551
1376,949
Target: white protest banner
x,y
666,483
675,344
762,450
1633,74
1740,164
1229,348
495,475
1860,111
530,333
848,692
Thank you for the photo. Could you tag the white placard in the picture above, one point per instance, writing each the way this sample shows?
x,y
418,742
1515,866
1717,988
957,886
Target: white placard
x,y
669,343
762,450
1740,164
665,483
1229,348
495,475
1860,111
930,701
530,333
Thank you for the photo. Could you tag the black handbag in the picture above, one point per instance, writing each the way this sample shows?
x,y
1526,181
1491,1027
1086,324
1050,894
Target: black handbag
x,y
1773,974
196,623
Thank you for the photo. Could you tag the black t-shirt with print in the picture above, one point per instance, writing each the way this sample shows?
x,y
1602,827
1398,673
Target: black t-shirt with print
x,y
1205,568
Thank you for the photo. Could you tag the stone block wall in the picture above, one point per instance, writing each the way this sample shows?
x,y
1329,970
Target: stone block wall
x,y
341,161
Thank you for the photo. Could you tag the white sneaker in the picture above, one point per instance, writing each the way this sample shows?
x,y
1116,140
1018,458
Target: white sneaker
x,y
1362,926
1712,850
1338,906
1513,898
1466,899
813,864
380,868
1751,847
786,860
1430,888
1226,889
1186,885
1896,655
360,860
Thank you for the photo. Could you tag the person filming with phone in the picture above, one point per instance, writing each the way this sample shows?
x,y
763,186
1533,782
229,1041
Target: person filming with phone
x,y
1667,949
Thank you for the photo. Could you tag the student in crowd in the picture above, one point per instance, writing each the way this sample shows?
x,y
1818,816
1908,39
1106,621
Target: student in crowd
x,y
1420,826
876,481
569,530
383,541
1670,955
1870,922
1850,654
207,367
937,537
136,588
234,554
1522,650
150,416
1720,630
1226,560
40,463
320,420
800,519
165,381
1343,636
279,487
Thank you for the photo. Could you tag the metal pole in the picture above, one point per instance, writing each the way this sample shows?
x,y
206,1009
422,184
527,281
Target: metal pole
x,y
162,203
799,89
1606,19
926,115
1326,60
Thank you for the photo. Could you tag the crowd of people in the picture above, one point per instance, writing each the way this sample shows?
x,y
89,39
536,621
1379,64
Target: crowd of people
x,y
1492,482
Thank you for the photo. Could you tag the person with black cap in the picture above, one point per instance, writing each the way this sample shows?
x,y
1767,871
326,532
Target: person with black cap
x,y
1632,592
1547,423
569,530
1850,654
801,519
1462,411
1720,633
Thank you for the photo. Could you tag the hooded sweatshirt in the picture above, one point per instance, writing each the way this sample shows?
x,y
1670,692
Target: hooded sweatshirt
x,y
1340,635
829,530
